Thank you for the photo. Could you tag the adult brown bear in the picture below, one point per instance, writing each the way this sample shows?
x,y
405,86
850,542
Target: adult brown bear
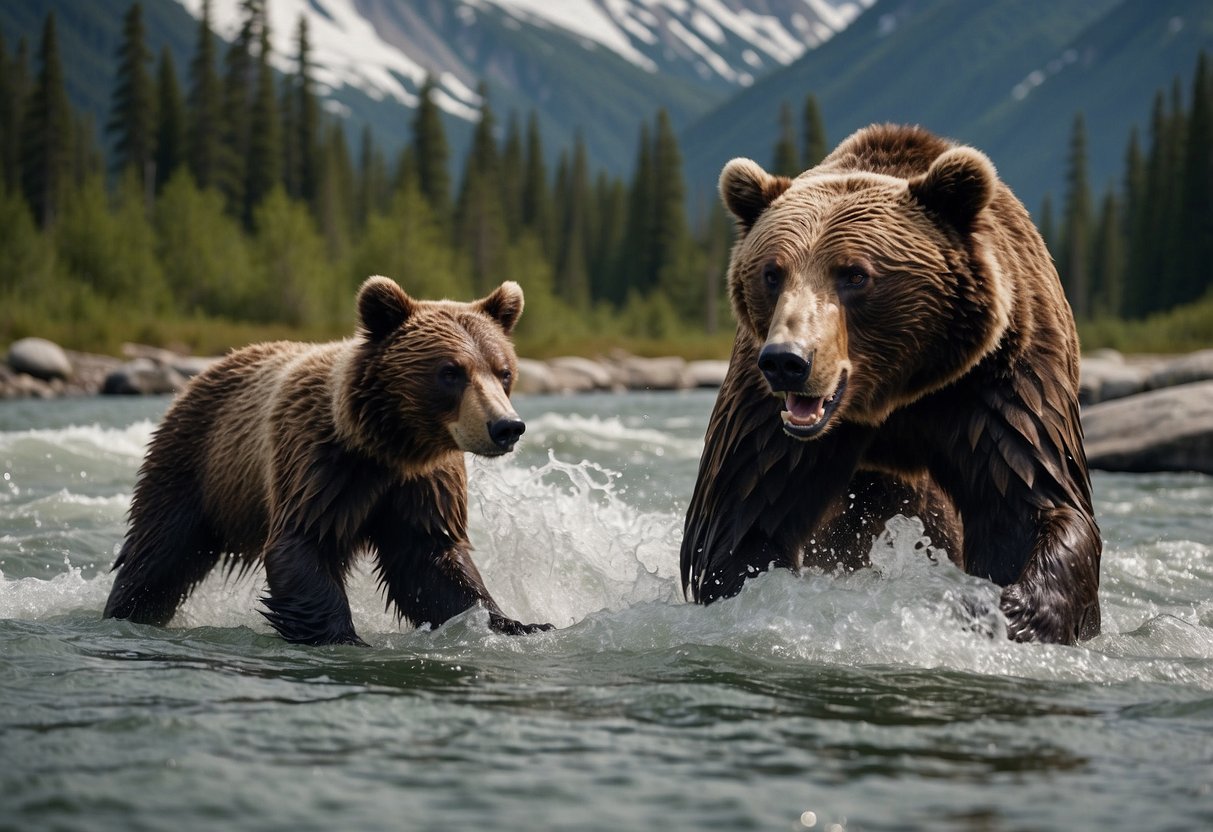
x,y
903,345
304,455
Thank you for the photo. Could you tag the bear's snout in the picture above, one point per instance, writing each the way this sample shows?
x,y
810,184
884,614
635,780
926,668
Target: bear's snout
x,y
786,366
505,432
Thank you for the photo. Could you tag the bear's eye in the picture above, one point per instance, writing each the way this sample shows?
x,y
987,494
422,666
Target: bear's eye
x,y
452,375
506,378
772,276
853,277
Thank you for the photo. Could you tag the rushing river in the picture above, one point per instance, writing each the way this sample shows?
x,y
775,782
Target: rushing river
x,y
855,702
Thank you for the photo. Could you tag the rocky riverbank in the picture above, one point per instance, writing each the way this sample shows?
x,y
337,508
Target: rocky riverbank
x,y
1140,413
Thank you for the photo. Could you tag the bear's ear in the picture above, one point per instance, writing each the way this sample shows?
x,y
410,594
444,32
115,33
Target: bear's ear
x,y
747,190
959,184
382,307
504,305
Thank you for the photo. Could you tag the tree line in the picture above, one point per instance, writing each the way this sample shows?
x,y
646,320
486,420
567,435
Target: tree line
x,y
1147,246
234,197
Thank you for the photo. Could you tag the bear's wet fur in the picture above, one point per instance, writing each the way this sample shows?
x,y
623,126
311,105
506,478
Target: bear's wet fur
x,y
902,337
304,456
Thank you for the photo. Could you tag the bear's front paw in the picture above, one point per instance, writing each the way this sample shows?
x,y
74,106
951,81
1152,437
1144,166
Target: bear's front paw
x,y
515,628
1032,618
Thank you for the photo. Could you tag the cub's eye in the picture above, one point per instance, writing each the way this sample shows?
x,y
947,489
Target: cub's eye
x,y
452,375
772,276
853,277
506,378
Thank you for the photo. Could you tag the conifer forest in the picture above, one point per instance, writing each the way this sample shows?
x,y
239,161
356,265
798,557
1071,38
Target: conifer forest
x,y
219,203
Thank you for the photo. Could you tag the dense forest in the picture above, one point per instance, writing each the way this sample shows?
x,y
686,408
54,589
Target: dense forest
x,y
230,206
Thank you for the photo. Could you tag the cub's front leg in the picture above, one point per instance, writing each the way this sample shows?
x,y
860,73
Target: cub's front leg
x,y
307,603
425,564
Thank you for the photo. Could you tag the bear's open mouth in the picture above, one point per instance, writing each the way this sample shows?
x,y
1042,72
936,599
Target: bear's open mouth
x,y
805,416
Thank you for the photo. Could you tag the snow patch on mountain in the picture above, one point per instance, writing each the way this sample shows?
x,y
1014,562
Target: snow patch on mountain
x,y
722,42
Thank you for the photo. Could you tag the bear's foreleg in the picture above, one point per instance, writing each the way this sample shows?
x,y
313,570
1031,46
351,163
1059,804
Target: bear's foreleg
x,y
431,581
306,602
168,550
1056,599
424,559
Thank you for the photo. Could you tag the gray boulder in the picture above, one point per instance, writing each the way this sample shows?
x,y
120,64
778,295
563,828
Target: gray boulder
x,y
1106,376
142,377
1163,430
706,373
534,377
39,358
636,373
1193,367
574,374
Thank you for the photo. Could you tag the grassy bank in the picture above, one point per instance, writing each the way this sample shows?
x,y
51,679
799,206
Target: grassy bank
x,y
1183,329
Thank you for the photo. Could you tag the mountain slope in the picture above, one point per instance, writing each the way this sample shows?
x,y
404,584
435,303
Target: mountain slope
x,y
965,70
595,66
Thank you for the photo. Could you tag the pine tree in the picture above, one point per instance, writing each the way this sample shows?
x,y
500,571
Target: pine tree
x,y
786,156
334,201
1195,238
1075,272
306,112
372,174
170,129
263,171
513,168
480,228
430,151
14,88
204,115
1134,194
1144,242
636,269
237,78
814,147
133,111
608,228
536,198
573,199
47,133
1107,259
669,219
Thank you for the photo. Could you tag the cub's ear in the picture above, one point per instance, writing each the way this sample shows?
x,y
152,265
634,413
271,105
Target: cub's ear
x,y
382,307
959,184
504,305
747,190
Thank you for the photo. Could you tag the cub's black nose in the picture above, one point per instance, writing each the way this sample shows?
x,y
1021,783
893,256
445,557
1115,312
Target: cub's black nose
x,y
505,432
784,366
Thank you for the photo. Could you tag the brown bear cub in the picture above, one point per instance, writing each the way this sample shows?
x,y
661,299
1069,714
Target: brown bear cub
x,y
305,455
903,346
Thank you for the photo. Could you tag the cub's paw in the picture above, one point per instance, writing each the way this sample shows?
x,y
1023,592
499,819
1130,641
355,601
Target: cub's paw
x,y
510,627
1031,617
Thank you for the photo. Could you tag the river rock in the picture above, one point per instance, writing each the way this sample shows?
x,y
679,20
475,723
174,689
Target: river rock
x,y
39,358
142,377
706,373
636,373
574,374
1107,376
1196,366
534,377
1163,430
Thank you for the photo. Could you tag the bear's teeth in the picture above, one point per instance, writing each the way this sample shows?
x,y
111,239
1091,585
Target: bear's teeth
x,y
803,411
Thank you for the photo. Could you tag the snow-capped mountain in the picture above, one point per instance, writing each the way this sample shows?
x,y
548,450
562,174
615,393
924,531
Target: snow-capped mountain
x,y
384,48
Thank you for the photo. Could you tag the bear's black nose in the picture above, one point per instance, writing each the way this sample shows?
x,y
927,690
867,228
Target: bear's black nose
x,y
505,432
784,366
